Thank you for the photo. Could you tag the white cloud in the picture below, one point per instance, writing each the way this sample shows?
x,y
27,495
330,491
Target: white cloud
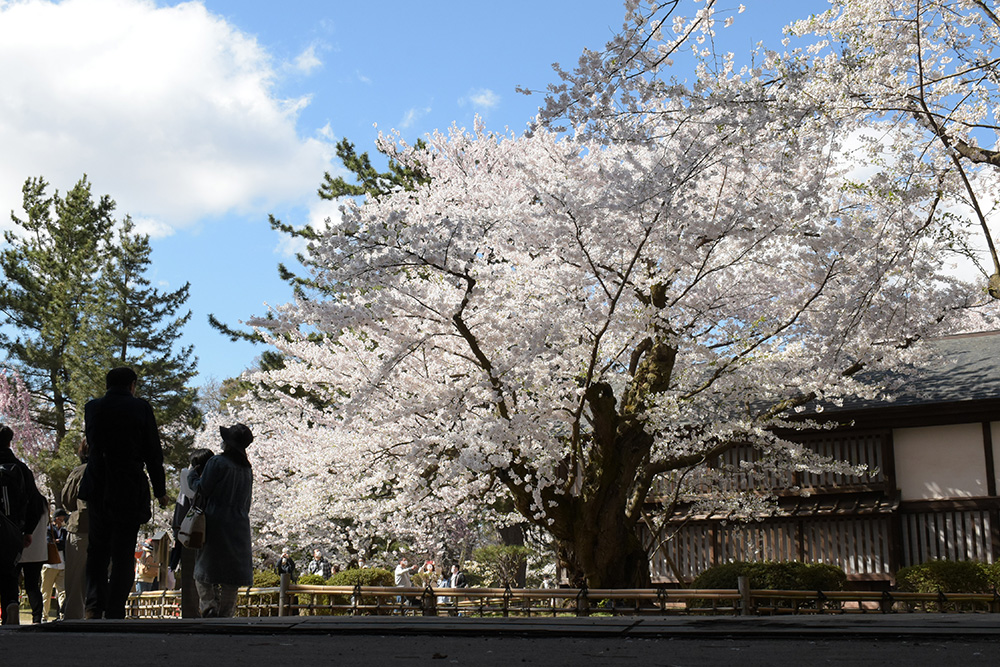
x,y
412,116
150,226
170,110
326,133
482,99
307,61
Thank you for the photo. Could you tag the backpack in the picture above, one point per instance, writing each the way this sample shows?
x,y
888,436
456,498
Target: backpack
x,y
12,507
13,500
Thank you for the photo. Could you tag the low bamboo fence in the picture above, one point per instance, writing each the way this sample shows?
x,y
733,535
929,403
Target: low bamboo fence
x,y
311,600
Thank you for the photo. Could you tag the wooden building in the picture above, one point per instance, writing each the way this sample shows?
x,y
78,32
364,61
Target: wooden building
x,y
934,496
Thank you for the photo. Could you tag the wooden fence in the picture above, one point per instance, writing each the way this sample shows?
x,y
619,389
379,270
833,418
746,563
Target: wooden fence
x,y
293,599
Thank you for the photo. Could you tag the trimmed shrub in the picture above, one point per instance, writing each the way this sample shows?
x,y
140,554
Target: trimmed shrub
x,y
422,579
822,577
774,575
317,600
265,579
993,574
312,580
370,576
948,576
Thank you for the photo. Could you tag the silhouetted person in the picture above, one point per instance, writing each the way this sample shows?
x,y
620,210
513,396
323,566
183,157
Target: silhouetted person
x,y
22,507
78,530
123,439
224,490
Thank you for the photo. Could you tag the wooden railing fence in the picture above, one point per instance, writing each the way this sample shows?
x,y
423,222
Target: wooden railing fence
x,y
307,600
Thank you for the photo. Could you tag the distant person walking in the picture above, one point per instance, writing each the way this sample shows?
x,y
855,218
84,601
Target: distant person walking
x,y
147,568
457,578
77,529
123,439
224,491
21,510
32,559
401,576
402,573
320,565
54,574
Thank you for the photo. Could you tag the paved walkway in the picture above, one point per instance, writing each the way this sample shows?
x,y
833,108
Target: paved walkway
x,y
826,626
915,640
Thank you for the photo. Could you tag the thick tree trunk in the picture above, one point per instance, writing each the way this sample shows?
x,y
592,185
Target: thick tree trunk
x,y
514,535
601,545
609,556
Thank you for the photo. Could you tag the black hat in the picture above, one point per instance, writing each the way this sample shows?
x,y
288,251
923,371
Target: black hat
x,y
60,513
237,434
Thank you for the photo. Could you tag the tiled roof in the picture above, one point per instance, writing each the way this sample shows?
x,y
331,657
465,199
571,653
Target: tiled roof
x,y
966,368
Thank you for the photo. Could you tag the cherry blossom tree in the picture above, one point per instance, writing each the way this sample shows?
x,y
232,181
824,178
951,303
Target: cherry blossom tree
x,y
562,324
907,87
16,412
922,75
553,325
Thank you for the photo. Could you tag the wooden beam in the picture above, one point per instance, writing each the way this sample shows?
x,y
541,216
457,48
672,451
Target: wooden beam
x,y
991,488
991,473
951,505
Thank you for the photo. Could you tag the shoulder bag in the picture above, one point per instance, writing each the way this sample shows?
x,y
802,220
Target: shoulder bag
x,y
192,531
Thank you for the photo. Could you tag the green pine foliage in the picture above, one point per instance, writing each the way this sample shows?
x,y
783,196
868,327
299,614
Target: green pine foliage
x,y
266,579
144,326
50,267
77,303
369,182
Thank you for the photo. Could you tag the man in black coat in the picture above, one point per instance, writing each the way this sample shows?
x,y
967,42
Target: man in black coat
x,y
122,438
22,507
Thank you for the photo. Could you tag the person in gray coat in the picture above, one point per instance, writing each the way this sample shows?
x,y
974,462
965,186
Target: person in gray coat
x,y
223,491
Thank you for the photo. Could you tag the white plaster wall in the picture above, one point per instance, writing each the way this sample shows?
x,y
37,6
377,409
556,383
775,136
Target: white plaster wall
x,y
940,461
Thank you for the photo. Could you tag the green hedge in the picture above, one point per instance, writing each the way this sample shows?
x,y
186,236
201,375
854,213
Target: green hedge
x,y
948,576
265,579
372,576
774,575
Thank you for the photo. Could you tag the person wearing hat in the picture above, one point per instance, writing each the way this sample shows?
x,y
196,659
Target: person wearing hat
x,y
224,490
54,574
147,568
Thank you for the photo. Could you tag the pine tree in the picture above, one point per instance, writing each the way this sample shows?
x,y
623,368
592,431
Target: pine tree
x,y
140,326
369,183
78,303
50,265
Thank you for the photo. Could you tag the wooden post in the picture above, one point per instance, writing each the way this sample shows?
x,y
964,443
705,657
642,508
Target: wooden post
x,y
991,489
428,602
743,583
286,579
582,602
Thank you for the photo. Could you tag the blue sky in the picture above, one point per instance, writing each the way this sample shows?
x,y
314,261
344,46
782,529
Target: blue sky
x,y
201,118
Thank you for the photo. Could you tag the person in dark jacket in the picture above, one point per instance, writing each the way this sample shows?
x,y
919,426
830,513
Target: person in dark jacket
x,y
122,438
286,565
22,507
224,490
